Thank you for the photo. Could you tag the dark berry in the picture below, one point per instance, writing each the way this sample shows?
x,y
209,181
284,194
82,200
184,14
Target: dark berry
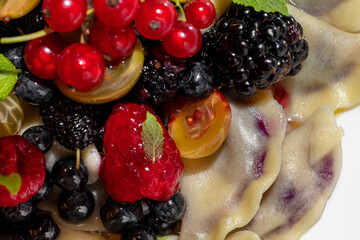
x,y
117,216
19,213
160,78
199,84
34,90
172,210
15,53
159,226
39,136
76,206
46,189
73,125
42,227
248,47
66,176
32,21
138,232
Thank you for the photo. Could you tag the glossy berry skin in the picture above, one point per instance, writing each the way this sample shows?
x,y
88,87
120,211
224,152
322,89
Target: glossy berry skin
x,y
64,15
172,210
184,41
116,13
66,176
128,175
18,155
81,66
156,19
42,227
117,216
116,43
199,84
46,189
42,54
138,232
39,136
159,226
34,90
200,13
19,213
76,206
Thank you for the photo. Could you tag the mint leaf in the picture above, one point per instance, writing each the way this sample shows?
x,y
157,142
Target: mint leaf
x,y
152,136
11,182
8,76
266,5
163,238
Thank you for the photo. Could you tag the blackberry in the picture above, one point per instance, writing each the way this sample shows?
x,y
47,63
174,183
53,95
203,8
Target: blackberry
x,y
73,125
160,77
250,50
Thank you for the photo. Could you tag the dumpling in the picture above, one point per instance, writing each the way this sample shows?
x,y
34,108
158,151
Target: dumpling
x,y
330,74
343,14
311,163
223,191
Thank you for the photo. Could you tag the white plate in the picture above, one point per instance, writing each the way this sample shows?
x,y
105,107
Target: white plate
x,y
340,220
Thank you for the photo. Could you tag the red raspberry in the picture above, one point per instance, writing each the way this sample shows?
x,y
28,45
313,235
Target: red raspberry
x,y
18,155
127,173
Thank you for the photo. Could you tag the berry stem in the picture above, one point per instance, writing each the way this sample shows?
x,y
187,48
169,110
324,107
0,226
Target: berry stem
x,y
27,37
34,35
77,159
178,5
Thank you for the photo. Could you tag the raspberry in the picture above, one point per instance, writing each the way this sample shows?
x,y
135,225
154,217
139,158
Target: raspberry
x,y
127,172
18,155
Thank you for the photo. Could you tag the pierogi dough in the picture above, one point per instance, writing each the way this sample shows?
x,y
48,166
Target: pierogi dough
x,y
311,162
342,14
223,191
330,74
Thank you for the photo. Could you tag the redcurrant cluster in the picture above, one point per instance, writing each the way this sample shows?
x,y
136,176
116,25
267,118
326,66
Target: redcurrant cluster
x,y
113,36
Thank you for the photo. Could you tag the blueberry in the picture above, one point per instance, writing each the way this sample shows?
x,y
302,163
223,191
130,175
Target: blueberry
x,y
45,190
39,136
19,213
76,206
159,226
15,53
138,232
42,227
66,176
34,90
199,84
171,210
117,216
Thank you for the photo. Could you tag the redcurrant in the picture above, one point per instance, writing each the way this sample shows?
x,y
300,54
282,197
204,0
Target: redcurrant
x,y
64,15
156,19
116,13
114,43
81,66
41,55
200,13
184,41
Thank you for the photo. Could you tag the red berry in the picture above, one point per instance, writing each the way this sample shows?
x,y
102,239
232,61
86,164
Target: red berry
x,y
184,41
128,175
81,66
156,19
18,155
200,13
116,13
64,15
116,43
41,55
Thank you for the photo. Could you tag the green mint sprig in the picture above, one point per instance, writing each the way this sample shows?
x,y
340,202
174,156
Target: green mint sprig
x,y
11,182
266,5
152,136
8,76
